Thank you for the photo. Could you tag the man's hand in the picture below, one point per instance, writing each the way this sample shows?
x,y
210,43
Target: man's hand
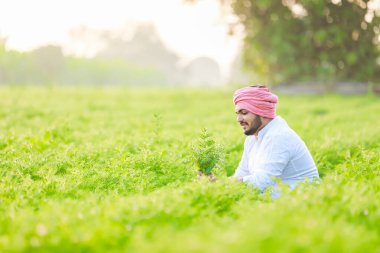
x,y
236,179
211,177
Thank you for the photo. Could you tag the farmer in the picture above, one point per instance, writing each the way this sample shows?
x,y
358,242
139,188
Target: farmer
x,y
272,149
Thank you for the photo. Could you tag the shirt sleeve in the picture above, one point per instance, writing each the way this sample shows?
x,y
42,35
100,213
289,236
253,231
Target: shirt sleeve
x,y
242,169
272,158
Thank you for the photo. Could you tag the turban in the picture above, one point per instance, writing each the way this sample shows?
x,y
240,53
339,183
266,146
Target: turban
x,y
256,99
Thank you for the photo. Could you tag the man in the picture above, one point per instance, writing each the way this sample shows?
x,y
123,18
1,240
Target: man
x,y
272,149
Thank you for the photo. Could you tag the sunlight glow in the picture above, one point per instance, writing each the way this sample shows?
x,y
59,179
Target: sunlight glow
x,y
189,30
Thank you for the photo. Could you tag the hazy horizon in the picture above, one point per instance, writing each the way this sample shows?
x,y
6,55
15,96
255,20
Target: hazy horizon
x,y
189,30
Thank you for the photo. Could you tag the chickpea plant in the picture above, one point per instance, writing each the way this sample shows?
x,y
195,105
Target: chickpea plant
x,y
206,153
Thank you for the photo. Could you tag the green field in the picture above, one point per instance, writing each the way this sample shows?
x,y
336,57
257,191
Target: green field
x,y
111,170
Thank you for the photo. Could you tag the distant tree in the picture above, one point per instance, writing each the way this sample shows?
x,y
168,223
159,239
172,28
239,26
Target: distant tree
x,y
302,40
144,48
15,67
203,71
237,75
49,62
2,57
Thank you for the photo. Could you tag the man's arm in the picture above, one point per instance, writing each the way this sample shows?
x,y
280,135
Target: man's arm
x,y
242,170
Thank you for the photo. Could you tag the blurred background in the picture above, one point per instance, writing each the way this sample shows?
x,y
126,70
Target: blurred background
x,y
293,46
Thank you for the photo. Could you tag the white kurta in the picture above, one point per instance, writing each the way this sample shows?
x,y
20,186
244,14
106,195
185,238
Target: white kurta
x,y
277,152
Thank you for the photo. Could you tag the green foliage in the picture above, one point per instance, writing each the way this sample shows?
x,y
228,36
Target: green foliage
x,y
207,152
109,170
295,41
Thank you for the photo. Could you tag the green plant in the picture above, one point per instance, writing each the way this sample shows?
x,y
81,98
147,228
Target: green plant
x,y
207,152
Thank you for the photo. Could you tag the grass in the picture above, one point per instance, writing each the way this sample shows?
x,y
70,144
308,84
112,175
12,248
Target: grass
x,y
111,170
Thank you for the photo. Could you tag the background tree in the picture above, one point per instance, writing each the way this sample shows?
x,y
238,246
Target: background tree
x,y
49,63
144,48
304,40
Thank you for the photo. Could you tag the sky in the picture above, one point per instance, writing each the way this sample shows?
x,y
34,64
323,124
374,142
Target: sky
x,y
190,30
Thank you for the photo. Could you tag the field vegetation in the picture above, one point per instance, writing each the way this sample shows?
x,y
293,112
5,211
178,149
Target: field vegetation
x,y
112,170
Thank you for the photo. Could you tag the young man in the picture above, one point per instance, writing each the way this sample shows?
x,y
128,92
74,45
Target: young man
x,y
272,149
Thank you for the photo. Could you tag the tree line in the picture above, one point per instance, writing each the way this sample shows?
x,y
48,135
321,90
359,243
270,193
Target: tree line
x,y
292,41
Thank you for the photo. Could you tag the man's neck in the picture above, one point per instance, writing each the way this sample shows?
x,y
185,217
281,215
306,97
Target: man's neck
x,y
265,121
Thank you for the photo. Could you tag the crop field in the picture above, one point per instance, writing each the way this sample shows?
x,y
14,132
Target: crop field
x,y
112,170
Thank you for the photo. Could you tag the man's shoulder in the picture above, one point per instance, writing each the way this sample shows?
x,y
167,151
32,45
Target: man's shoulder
x,y
282,133
280,130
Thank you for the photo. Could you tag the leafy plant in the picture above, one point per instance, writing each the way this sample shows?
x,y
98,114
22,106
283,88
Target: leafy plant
x,y
207,152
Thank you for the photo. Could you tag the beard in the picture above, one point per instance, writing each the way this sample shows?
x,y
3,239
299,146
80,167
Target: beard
x,y
255,126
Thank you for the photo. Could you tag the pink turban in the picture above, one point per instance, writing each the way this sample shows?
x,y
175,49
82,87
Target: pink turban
x,y
256,99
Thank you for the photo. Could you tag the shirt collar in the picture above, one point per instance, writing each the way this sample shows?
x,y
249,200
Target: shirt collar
x,y
272,123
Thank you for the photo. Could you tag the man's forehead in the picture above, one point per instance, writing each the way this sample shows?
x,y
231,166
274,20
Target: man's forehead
x,y
240,110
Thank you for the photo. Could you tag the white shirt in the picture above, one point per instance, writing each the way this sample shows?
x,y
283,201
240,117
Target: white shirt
x,y
278,152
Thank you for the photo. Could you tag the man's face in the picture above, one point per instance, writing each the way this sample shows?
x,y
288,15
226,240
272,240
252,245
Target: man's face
x,y
250,122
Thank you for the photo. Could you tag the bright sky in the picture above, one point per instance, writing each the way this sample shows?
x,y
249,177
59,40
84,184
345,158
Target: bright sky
x,y
189,30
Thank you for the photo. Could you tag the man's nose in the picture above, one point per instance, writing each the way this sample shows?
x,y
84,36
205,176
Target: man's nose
x,y
239,118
